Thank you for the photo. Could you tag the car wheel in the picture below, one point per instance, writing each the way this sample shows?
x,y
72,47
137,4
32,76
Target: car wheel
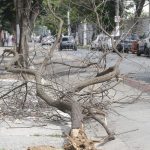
x,y
126,50
146,51
60,49
91,48
75,48
119,48
99,49
138,53
149,53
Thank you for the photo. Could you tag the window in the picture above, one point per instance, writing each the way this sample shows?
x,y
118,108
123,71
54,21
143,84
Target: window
x,y
65,39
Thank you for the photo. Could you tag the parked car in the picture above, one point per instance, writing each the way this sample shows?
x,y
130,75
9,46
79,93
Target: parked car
x,y
128,43
68,42
96,44
35,38
134,45
144,46
102,42
47,40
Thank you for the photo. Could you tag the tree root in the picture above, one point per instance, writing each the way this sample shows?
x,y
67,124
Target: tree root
x,y
79,141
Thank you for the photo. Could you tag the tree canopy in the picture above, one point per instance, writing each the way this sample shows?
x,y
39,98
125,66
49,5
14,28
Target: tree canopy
x,y
79,11
7,15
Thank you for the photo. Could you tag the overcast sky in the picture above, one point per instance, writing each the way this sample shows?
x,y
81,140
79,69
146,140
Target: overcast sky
x,y
146,8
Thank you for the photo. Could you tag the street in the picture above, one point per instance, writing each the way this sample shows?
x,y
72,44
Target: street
x,y
132,65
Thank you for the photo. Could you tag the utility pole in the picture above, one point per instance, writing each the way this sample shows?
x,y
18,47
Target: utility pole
x,y
117,19
68,16
149,15
85,33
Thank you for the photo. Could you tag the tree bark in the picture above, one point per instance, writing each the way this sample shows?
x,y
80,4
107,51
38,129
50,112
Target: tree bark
x,y
26,16
34,14
139,8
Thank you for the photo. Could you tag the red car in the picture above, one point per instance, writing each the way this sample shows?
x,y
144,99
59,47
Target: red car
x,y
134,47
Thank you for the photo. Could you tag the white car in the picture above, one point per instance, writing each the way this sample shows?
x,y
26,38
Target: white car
x,y
48,40
35,38
102,42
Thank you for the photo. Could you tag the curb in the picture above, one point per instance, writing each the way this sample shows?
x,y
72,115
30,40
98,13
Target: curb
x,y
137,84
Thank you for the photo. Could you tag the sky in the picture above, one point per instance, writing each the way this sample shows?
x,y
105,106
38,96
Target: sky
x,y
146,8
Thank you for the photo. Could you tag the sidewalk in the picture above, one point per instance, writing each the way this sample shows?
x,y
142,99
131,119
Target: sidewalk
x,y
130,124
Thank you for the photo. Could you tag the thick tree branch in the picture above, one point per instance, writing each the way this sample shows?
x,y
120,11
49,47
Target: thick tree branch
x,y
111,73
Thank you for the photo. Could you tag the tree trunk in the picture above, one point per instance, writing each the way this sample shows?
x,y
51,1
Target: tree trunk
x,y
139,8
33,15
23,43
26,16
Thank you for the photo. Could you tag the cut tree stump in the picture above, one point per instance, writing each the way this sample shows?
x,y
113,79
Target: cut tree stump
x,y
79,141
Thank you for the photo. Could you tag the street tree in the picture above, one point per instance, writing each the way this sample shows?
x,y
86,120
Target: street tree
x,y
26,14
139,7
139,4
7,15
79,12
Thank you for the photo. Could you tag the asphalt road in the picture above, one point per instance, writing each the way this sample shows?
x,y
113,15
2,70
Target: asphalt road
x,y
133,66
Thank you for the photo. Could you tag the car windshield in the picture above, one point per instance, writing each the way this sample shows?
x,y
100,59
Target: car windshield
x,y
116,37
65,39
130,37
134,37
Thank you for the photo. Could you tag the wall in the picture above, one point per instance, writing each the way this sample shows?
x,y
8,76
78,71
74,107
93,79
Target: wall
x,y
89,32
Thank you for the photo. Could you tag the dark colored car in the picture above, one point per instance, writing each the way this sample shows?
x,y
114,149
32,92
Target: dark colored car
x,y
128,43
68,42
144,46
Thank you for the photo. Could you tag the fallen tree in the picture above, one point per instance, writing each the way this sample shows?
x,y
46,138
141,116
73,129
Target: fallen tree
x,y
73,99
